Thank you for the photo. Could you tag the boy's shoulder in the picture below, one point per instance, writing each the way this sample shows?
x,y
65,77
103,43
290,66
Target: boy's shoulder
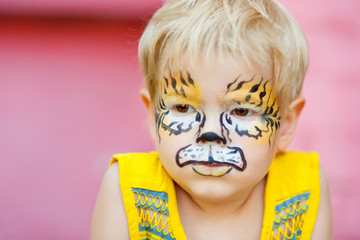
x,y
292,190
109,209
304,171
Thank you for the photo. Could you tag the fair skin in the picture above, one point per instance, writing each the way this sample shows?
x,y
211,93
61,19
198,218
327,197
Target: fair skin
x,y
109,219
229,116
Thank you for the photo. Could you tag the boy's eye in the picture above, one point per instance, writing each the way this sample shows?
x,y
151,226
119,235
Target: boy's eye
x,y
240,112
184,108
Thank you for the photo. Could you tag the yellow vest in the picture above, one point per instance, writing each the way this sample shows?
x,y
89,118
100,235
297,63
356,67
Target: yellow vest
x,y
292,196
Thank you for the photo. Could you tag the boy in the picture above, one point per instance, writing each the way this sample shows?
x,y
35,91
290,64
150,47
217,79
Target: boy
x,y
223,84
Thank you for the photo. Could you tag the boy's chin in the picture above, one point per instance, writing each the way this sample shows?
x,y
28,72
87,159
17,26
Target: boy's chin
x,y
212,189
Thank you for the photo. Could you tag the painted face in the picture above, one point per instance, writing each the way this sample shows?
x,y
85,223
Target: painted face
x,y
216,124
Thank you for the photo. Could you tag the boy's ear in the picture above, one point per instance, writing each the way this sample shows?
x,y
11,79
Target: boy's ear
x,y
145,96
289,123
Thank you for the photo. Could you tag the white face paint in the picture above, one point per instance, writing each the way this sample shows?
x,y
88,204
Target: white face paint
x,y
177,123
211,160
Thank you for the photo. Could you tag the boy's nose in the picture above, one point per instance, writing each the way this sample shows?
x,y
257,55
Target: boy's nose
x,y
210,129
210,137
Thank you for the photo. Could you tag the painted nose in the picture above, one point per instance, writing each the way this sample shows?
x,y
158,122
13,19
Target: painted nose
x,y
210,137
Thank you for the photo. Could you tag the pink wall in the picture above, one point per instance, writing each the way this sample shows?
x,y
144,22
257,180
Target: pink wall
x,y
80,8
68,101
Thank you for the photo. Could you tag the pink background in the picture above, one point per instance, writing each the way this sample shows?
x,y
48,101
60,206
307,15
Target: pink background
x,y
69,84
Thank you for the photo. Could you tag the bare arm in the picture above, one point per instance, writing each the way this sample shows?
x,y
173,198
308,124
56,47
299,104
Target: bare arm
x,y
109,219
323,225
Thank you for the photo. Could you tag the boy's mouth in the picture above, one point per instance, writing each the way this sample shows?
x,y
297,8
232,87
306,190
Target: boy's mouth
x,y
211,160
215,170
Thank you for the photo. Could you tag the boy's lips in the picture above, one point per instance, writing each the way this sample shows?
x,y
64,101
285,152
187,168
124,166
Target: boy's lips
x,y
215,170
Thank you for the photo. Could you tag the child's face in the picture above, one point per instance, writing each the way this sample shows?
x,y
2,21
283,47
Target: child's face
x,y
216,128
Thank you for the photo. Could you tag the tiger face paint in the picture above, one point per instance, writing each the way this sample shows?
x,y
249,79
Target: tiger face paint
x,y
217,127
249,110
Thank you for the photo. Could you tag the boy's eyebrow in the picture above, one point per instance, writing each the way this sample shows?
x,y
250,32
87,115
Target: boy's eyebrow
x,y
255,92
239,85
179,76
178,84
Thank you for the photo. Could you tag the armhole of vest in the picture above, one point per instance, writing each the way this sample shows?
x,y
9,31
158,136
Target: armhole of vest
x,y
314,166
124,162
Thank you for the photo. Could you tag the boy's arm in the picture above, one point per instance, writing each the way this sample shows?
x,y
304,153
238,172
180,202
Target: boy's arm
x,y
109,218
323,225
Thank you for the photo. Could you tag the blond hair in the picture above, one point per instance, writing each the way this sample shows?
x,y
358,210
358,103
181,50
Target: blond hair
x,y
261,31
